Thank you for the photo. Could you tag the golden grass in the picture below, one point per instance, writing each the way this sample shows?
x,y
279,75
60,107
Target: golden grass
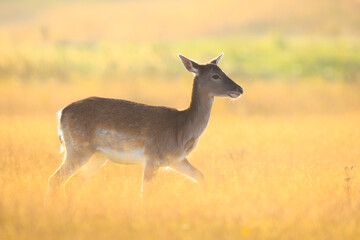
x,y
273,160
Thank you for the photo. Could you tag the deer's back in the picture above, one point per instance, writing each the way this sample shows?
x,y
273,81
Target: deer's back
x,y
92,119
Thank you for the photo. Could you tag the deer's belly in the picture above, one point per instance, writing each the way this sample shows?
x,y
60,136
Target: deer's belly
x,y
133,156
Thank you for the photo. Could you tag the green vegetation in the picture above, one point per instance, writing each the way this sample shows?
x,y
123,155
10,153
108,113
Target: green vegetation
x,y
269,57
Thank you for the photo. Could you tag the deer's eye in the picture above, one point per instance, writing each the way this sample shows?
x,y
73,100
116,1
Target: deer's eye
x,y
216,76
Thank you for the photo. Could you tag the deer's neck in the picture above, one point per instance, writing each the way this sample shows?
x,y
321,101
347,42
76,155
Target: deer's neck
x,y
198,113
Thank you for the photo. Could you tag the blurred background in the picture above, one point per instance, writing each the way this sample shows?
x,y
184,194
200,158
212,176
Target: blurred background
x,y
98,42
101,44
287,39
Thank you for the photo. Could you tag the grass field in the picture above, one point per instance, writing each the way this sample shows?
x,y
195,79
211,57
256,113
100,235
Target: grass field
x,y
272,172
281,162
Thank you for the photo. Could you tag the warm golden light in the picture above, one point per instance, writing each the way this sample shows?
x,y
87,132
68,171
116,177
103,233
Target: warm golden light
x,y
281,162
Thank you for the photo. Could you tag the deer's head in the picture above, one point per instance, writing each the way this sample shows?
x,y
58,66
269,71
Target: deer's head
x,y
211,79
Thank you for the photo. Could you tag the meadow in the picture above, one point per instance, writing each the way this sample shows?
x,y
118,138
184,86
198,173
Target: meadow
x,y
281,162
272,171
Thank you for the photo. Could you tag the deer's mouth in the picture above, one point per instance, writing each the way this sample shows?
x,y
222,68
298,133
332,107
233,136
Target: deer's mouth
x,y
234,94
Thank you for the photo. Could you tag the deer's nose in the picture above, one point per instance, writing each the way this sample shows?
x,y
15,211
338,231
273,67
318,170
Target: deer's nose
x,y
240,89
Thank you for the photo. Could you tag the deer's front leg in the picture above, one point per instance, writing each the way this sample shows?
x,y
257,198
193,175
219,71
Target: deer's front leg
x,y
150,169
185,168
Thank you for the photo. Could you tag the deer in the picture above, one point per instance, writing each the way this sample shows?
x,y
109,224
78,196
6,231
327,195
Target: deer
x,y
127,132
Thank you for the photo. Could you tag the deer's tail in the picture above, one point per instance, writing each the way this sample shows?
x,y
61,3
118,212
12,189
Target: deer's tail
x,y
60,132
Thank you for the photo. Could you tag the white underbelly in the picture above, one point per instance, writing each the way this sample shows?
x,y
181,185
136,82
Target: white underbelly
x,y
134,156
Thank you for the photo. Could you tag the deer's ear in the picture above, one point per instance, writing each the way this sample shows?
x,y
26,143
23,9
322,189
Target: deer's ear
x,y
190,65
217,60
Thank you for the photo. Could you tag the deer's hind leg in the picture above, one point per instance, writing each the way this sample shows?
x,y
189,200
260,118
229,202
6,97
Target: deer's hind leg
x,y
90,168
73,160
